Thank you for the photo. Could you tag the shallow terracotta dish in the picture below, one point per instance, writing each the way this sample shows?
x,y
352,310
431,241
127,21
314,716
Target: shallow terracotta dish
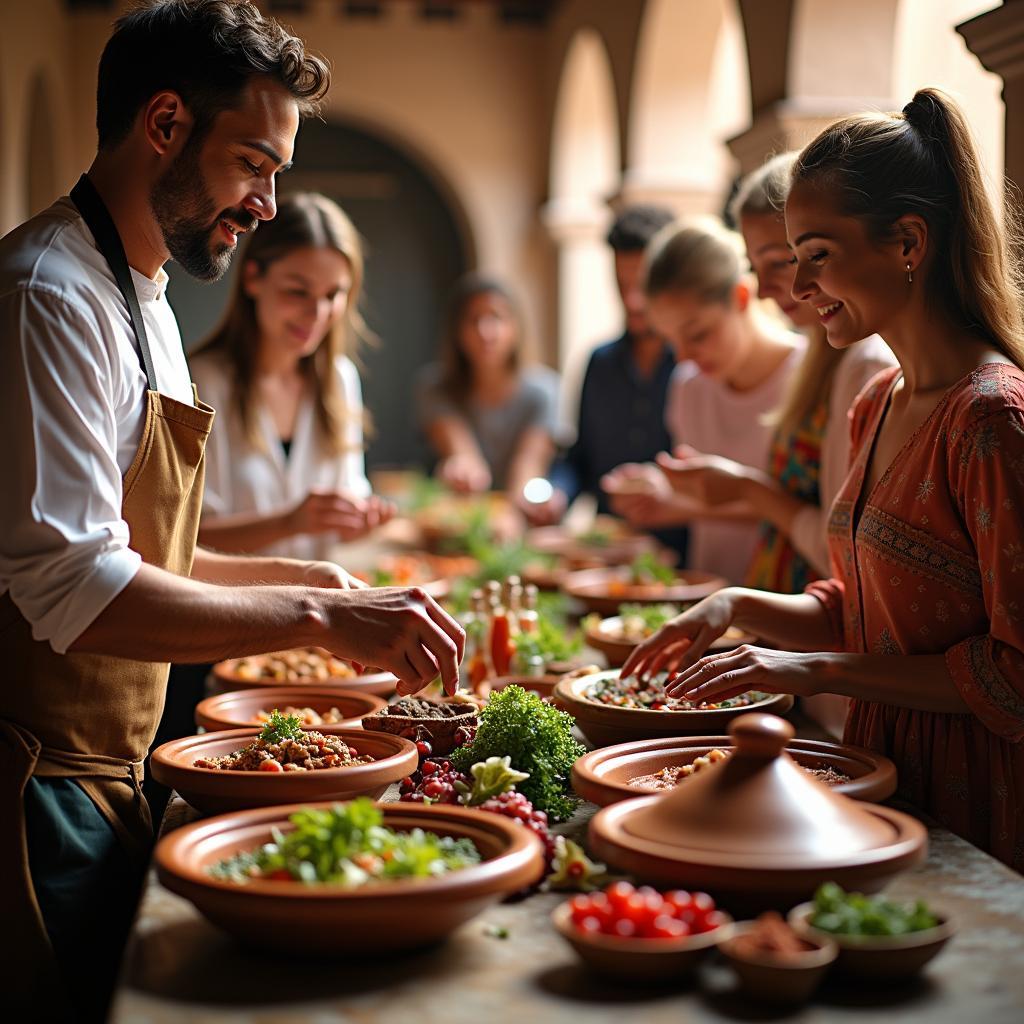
x,y
327,919
603,590
771,979
888,957
211,789
603,637
638,959
603,775
756,830
604,724
238,709
620,548
226,677
438,732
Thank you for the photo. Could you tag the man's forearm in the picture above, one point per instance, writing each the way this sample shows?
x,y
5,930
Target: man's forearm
x,y
235,570
163,617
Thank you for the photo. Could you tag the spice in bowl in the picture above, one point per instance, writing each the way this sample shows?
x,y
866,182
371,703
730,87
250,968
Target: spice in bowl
x,y
770,937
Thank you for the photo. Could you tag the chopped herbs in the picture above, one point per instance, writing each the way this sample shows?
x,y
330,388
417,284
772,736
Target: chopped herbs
x,y
853,913
281,727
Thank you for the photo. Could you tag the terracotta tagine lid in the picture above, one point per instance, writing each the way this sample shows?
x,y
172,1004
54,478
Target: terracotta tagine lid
x,y
759,802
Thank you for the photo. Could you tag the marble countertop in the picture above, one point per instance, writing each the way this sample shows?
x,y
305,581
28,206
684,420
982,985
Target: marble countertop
x,y
180,968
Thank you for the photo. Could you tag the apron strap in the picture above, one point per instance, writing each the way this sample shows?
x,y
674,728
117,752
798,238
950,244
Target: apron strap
x,y
96,216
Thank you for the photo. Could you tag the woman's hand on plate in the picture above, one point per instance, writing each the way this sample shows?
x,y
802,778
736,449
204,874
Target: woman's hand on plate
x,y
731,673
682,640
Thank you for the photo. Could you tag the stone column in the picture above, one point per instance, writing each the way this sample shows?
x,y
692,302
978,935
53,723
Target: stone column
x,y
996,38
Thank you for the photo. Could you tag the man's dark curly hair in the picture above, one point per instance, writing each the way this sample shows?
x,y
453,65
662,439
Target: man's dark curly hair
x,y
204,50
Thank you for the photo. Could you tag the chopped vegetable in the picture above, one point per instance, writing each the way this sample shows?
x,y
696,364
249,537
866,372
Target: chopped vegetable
x,y
348,845
537,738
496,931
547,642
646,568
281,727
853,913
646,619
573,869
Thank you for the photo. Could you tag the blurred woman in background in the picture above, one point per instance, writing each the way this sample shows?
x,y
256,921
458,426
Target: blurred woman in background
x,y
284,465
489,415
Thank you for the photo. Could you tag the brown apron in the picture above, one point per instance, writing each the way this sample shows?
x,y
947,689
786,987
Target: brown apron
x,y
90,717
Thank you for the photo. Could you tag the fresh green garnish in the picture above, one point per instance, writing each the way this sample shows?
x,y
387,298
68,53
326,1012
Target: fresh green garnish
x,y
573,869
537,738
853,913
348,845
650,617
548,642
596,538
382,578
425,491
495,562
281,727
646,568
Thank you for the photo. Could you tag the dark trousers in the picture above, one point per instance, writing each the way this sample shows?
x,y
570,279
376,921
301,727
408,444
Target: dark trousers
x,y
87,888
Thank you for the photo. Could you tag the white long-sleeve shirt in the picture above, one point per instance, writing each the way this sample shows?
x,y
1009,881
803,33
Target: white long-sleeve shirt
x,y
242,477
71,417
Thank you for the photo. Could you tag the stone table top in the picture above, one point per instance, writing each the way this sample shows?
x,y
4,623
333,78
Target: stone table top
x,y
180,968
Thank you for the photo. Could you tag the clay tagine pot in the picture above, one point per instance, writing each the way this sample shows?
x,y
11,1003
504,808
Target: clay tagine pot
x,y
604,775
756,830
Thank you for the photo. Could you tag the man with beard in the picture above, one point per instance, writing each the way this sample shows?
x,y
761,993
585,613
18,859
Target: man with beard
x,y
101,584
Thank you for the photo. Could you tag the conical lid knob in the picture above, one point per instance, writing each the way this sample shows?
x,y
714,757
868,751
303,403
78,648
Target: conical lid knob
x,y
758,802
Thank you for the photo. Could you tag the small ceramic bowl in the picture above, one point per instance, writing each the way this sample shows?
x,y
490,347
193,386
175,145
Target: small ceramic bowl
x,y
321,919
211,789
881,957
438,732
772,979
638,959
238,709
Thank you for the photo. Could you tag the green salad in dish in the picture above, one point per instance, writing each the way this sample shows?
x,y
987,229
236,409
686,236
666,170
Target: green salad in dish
x,y
853,913
347,845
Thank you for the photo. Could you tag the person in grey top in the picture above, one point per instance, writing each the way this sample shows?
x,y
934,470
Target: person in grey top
x,y
491,420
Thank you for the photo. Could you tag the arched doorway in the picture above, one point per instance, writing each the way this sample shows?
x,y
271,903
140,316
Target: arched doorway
x,y
416,248
690,93
584,175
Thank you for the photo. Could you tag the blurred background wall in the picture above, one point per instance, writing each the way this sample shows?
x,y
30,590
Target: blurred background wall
x,y
500,134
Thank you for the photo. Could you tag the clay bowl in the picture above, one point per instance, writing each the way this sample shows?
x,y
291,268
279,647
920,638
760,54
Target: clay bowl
x,y
438,732
637,959
603,637
604,725
603,775
226,677
878,957
744,882
770,979
621,547
237,709
212,790
543,686
325,919
603,590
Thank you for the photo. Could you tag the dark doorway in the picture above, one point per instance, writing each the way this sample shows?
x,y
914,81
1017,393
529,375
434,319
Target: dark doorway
x,y
415,252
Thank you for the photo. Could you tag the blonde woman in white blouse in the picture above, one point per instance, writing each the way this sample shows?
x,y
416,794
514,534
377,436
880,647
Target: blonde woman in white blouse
x,y
284,464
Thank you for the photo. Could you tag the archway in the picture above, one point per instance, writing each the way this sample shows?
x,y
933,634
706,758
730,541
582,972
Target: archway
x,y
584,175
690,93
40,170
416,248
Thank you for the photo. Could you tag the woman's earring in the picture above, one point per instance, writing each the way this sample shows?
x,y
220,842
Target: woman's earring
x,y
910,274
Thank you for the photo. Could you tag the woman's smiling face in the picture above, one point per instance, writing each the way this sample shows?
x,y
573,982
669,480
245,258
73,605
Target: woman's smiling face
x,y
855,284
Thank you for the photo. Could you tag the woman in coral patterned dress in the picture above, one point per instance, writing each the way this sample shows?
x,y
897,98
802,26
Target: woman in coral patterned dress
x,y
893,234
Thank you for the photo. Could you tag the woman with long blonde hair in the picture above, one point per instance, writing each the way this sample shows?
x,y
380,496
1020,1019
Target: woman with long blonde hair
x,y
285,471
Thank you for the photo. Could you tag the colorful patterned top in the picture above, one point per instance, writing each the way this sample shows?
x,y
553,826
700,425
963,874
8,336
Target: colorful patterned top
x,y
795,462
935,565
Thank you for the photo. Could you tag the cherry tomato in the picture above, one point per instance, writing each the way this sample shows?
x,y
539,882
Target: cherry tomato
x,y
623,928
618,893
666,927
270,765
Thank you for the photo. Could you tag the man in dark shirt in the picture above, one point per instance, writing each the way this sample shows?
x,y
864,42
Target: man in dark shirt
x,y
622,403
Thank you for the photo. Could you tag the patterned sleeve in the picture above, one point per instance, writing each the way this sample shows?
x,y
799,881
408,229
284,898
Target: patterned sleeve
x,y
988,481
830,593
